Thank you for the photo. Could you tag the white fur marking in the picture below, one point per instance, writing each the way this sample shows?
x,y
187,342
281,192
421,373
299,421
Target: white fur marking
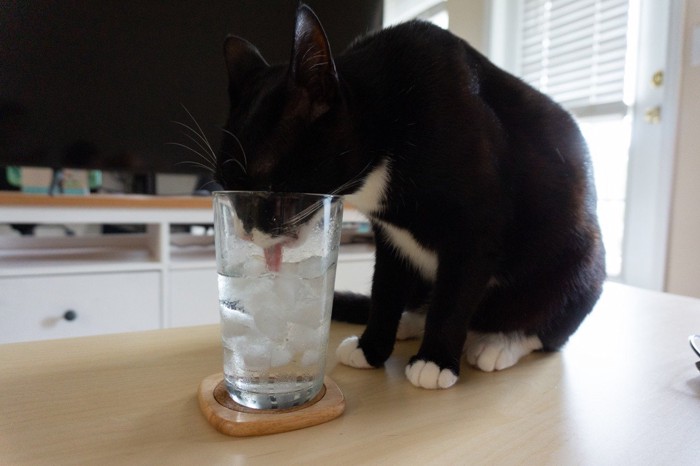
x,y
427,374
369,199
370,196
266,240
350,354
498,351
424,260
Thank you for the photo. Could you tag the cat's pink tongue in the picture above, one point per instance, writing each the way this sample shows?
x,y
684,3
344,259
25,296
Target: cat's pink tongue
x,y
273,257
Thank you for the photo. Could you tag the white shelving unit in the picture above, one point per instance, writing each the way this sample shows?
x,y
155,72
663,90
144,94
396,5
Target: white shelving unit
x,y
54,287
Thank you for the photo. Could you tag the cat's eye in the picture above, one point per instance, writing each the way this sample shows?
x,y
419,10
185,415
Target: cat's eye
x,y
695,345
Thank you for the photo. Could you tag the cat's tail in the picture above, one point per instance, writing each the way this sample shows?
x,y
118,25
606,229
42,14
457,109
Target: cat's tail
x,y
350,307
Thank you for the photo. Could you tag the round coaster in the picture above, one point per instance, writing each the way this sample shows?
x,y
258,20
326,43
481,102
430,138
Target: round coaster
x,y
231,418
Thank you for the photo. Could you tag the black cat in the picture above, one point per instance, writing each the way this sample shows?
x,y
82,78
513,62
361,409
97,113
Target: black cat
x,y
479,188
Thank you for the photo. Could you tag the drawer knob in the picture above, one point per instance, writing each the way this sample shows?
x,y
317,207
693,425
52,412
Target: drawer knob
x,y
70,315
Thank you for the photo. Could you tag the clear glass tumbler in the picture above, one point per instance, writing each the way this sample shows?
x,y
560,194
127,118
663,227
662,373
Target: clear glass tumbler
x,y
276,256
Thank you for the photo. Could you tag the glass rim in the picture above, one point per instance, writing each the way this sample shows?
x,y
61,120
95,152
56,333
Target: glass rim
x,y
222,193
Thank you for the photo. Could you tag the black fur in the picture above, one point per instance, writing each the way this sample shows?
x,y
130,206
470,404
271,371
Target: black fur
x,y
485,172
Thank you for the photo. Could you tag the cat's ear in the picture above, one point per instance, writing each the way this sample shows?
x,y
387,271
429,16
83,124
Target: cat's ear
x,y
312,69
242,58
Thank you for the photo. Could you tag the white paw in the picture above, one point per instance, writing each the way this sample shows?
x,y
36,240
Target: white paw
x,y
350,354
411,325
427,374
498,351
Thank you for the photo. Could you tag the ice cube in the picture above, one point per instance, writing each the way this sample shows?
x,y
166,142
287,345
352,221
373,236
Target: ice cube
x,y
286,288
256,360
280,356
301,337
289,268
234,322
254,294
310,356
254,266
270,324
256,353
235,289
231,268
307,313
312,267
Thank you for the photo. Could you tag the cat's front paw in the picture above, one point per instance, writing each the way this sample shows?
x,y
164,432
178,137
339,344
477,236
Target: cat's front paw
x,y
350,353
427,374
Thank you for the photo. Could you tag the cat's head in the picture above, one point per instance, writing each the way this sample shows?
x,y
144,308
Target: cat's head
x,y
289,127
289,130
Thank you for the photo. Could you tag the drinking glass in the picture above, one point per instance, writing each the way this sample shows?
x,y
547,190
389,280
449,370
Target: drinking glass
x,y
276,256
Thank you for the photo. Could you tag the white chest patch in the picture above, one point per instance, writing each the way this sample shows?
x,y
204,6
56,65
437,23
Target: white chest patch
x,y
369,199
424,260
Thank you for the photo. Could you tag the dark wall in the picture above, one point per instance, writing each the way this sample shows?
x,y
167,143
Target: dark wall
x,y
98,84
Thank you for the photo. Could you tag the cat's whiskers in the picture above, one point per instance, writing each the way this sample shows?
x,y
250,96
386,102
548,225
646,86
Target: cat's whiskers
x,y
357,179
301,216
244,165
202,148
347,185
237,162
203,153
407,90
196,164
204,186
310,210
208,166
205,149
344,152
201,134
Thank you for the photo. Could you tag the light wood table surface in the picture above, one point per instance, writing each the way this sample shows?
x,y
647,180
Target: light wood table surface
x,y
625,390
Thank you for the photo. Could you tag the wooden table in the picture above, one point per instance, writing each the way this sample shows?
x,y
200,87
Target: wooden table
x,y
625,390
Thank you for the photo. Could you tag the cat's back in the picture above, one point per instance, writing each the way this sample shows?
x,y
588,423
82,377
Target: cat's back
x,y
415,50
411,37
423,55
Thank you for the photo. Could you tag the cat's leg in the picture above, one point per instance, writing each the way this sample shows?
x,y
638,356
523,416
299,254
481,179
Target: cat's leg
x,y
392,276
497,337
579,302
498,351
531,313
457,291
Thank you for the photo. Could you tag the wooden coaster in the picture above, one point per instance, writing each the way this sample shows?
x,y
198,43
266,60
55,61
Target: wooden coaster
x,y
231,418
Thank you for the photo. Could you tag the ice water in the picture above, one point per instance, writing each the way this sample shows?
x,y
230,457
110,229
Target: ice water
x,y
275,330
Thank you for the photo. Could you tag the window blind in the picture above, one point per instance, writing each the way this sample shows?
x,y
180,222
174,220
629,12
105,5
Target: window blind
x,y
575,51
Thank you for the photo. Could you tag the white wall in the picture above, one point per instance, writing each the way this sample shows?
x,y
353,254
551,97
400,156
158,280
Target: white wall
x,y
468,20
683,264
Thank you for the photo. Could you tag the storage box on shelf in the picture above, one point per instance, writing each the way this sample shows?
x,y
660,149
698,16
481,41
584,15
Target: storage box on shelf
x,y
54,287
